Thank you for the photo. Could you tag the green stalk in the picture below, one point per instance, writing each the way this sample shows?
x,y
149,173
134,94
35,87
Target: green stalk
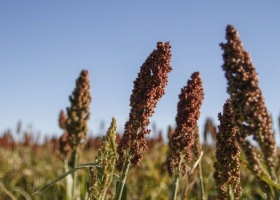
x,y
75,156
122,180
175,186
69,180
201,181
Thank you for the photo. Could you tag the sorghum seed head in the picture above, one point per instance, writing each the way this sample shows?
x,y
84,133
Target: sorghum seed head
x,y
148,89
227,166
188,112
62,120
105,160
249,110
78,113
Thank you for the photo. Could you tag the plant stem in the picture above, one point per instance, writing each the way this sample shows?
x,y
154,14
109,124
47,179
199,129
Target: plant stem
x,y
122,180
201,181
75,156
69,180
175,187
230,192
176,180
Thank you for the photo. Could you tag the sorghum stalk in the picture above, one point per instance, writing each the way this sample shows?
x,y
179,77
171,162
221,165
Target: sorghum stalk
x,y
190,101
78,115
201,181
148,89
197,152
105,159
249,111
227,166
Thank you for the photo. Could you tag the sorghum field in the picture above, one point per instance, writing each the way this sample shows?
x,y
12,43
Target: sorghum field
x,y
132,165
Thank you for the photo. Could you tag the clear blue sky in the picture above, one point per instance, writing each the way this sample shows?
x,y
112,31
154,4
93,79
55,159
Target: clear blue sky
x,y
45,45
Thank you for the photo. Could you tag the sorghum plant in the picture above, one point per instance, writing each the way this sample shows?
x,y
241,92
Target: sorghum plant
x,y
183,139
105,161
209,127
148,89
227,166
78,115
249,111
65,151
64,147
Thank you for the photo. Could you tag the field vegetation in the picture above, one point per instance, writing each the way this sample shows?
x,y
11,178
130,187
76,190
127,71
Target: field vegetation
x,y
241,160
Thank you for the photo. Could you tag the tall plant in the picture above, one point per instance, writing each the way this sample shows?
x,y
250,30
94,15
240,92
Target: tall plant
x,y
65,151
250,114
148,89
105,161
227,166
78,115
184,137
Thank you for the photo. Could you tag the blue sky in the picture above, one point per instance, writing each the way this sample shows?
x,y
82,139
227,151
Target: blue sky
x,y
45,45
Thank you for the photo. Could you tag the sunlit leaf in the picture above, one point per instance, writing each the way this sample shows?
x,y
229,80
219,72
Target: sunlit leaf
x,y
66,174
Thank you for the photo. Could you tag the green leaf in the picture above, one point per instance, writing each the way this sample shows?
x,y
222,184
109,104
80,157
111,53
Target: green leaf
x,y
269,181
196,163
263,177
66,174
